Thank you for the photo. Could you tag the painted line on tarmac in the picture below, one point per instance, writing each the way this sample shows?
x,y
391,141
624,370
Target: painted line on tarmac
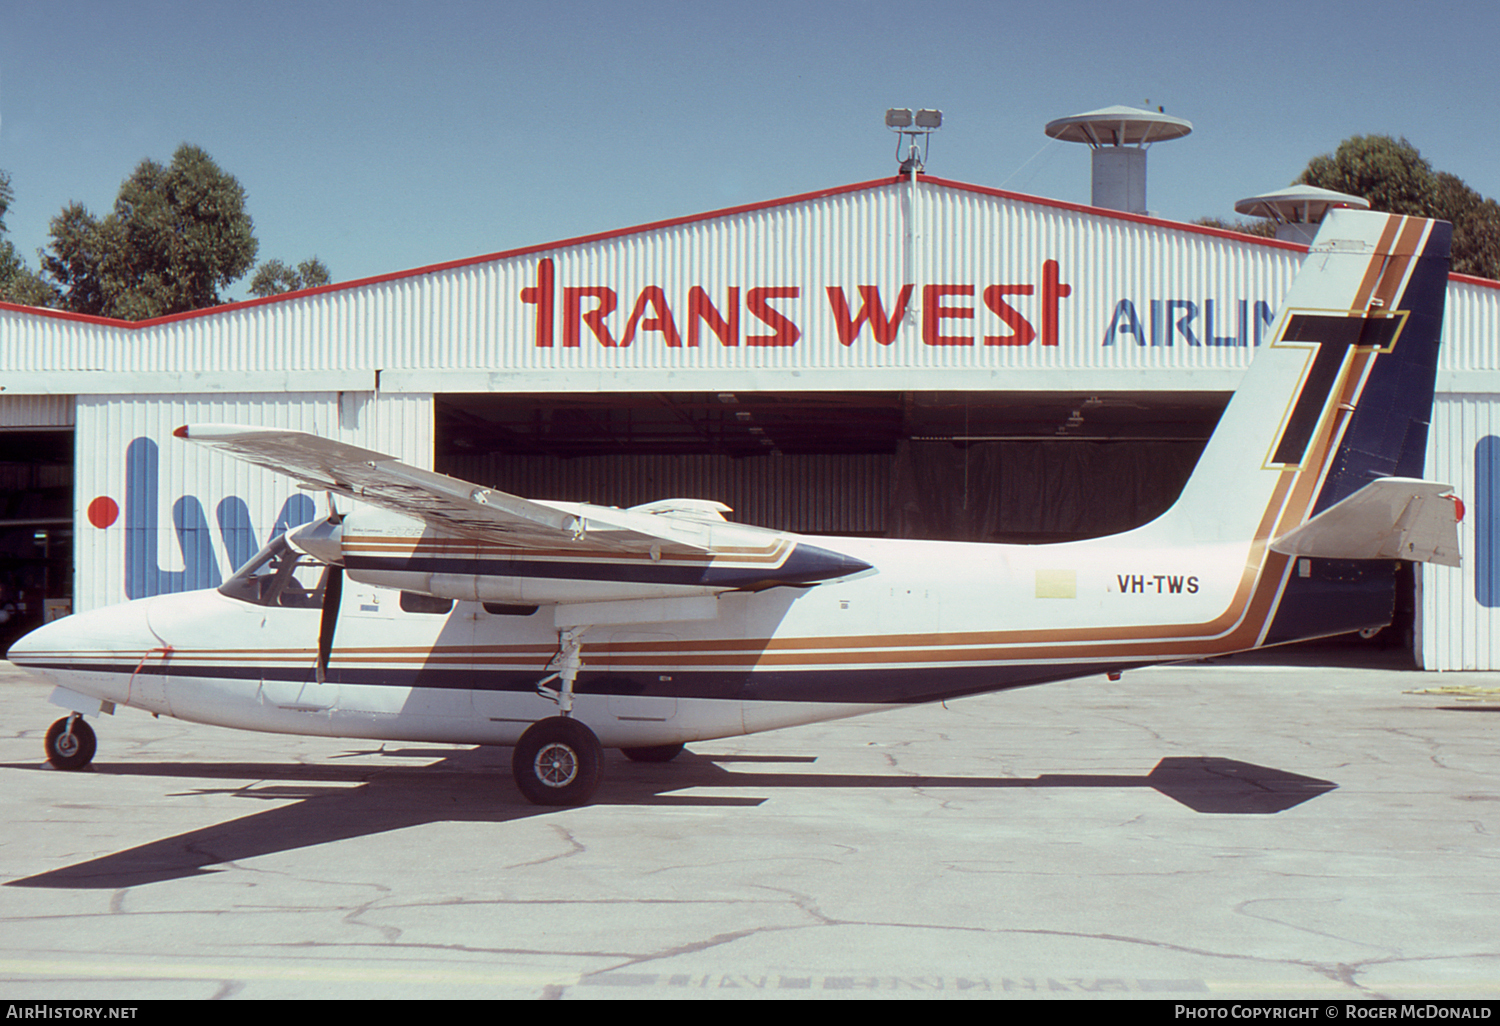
x,y
32,968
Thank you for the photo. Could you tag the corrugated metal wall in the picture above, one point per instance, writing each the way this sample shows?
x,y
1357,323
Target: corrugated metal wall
x,y
847,494
1460,609
1128,294
1471,327
1019,491
36,411
157,514
771,267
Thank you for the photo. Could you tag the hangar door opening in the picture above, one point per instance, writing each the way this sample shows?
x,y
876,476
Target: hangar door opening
x,y
36,529
972,466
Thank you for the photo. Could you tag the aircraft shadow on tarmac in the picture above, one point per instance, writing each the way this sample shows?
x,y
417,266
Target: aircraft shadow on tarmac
x,y
340,802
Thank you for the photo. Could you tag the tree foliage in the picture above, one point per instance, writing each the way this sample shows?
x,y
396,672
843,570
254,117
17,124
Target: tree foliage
x,y
18,283
1396,178
1259,227
177,235
273,277
1390,173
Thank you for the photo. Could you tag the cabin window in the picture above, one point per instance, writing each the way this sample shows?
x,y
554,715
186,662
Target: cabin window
x,y
279,575
502,609
416,602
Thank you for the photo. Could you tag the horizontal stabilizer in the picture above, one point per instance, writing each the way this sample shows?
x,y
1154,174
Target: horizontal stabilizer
x,y
1389,518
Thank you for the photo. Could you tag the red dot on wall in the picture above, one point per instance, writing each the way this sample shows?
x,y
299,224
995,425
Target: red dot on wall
x,y
103,511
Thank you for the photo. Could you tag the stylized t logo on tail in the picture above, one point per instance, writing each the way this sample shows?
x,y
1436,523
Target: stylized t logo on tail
x,y
1334,335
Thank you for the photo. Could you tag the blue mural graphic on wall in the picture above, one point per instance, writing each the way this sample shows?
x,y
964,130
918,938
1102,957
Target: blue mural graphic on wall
x,y
200,564
1487,521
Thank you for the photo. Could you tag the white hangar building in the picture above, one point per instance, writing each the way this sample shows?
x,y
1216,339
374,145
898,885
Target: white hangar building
x,y
908,356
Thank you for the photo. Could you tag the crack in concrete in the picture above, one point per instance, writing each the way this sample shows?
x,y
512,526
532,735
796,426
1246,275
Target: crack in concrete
x,y
462,949
390,933
1244,909
227,989
694,947
563,832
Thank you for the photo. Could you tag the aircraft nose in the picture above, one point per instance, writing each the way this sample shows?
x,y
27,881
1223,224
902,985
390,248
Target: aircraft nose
x,y
97,637
31,648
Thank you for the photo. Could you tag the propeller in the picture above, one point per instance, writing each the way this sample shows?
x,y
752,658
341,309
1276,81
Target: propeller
x,y
333,590
322,540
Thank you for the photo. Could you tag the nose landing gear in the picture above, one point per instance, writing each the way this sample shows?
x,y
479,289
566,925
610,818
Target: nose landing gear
x,y
71,743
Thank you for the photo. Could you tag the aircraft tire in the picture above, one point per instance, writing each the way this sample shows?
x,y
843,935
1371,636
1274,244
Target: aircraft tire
x,y
71,751
653,753
558,761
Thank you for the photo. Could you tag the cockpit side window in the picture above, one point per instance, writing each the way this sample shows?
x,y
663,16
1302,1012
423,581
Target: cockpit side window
x,y
279,575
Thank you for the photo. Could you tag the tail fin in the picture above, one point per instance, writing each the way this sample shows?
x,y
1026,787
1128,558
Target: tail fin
x,y
1339,399
1342,395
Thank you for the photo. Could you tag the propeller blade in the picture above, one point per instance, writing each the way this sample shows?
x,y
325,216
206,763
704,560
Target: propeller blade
x,y
333,590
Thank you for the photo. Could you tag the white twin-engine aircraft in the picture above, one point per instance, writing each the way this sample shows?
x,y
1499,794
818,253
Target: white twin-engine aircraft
x,y
444,611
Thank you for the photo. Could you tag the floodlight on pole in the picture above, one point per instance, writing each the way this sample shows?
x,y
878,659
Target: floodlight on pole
x,y
901,121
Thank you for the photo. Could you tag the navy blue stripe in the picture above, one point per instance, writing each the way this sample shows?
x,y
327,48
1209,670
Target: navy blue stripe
x,y
1387,433
1386,437
1336,597
859,686
805,565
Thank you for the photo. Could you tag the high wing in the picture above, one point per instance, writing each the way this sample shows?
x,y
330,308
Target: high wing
x,y
476,532
445,503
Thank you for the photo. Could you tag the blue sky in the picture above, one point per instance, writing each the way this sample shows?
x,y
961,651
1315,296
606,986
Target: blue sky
x,y
383,136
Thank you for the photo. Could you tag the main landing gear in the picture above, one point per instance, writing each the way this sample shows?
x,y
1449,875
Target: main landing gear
x,y
559,761
71,743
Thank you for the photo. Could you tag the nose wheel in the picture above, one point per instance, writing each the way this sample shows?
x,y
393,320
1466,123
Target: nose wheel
x,y
71,743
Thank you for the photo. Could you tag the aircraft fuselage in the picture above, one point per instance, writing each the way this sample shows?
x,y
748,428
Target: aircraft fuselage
x,y
930,620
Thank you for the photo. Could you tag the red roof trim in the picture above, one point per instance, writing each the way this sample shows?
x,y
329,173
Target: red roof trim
x,y
1119,215
1469,279
652,226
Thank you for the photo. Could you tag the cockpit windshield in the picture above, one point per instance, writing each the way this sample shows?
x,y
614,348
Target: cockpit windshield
x,y
279,575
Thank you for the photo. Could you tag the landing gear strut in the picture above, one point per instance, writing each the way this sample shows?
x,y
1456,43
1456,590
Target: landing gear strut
x,y
568,661
559,761
71,743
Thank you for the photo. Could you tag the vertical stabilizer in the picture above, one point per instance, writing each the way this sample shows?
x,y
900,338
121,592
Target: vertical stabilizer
x,y
1342,394
1339,399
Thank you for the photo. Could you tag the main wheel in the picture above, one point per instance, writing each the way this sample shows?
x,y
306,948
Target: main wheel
x,y
653,753
558,761
71,749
